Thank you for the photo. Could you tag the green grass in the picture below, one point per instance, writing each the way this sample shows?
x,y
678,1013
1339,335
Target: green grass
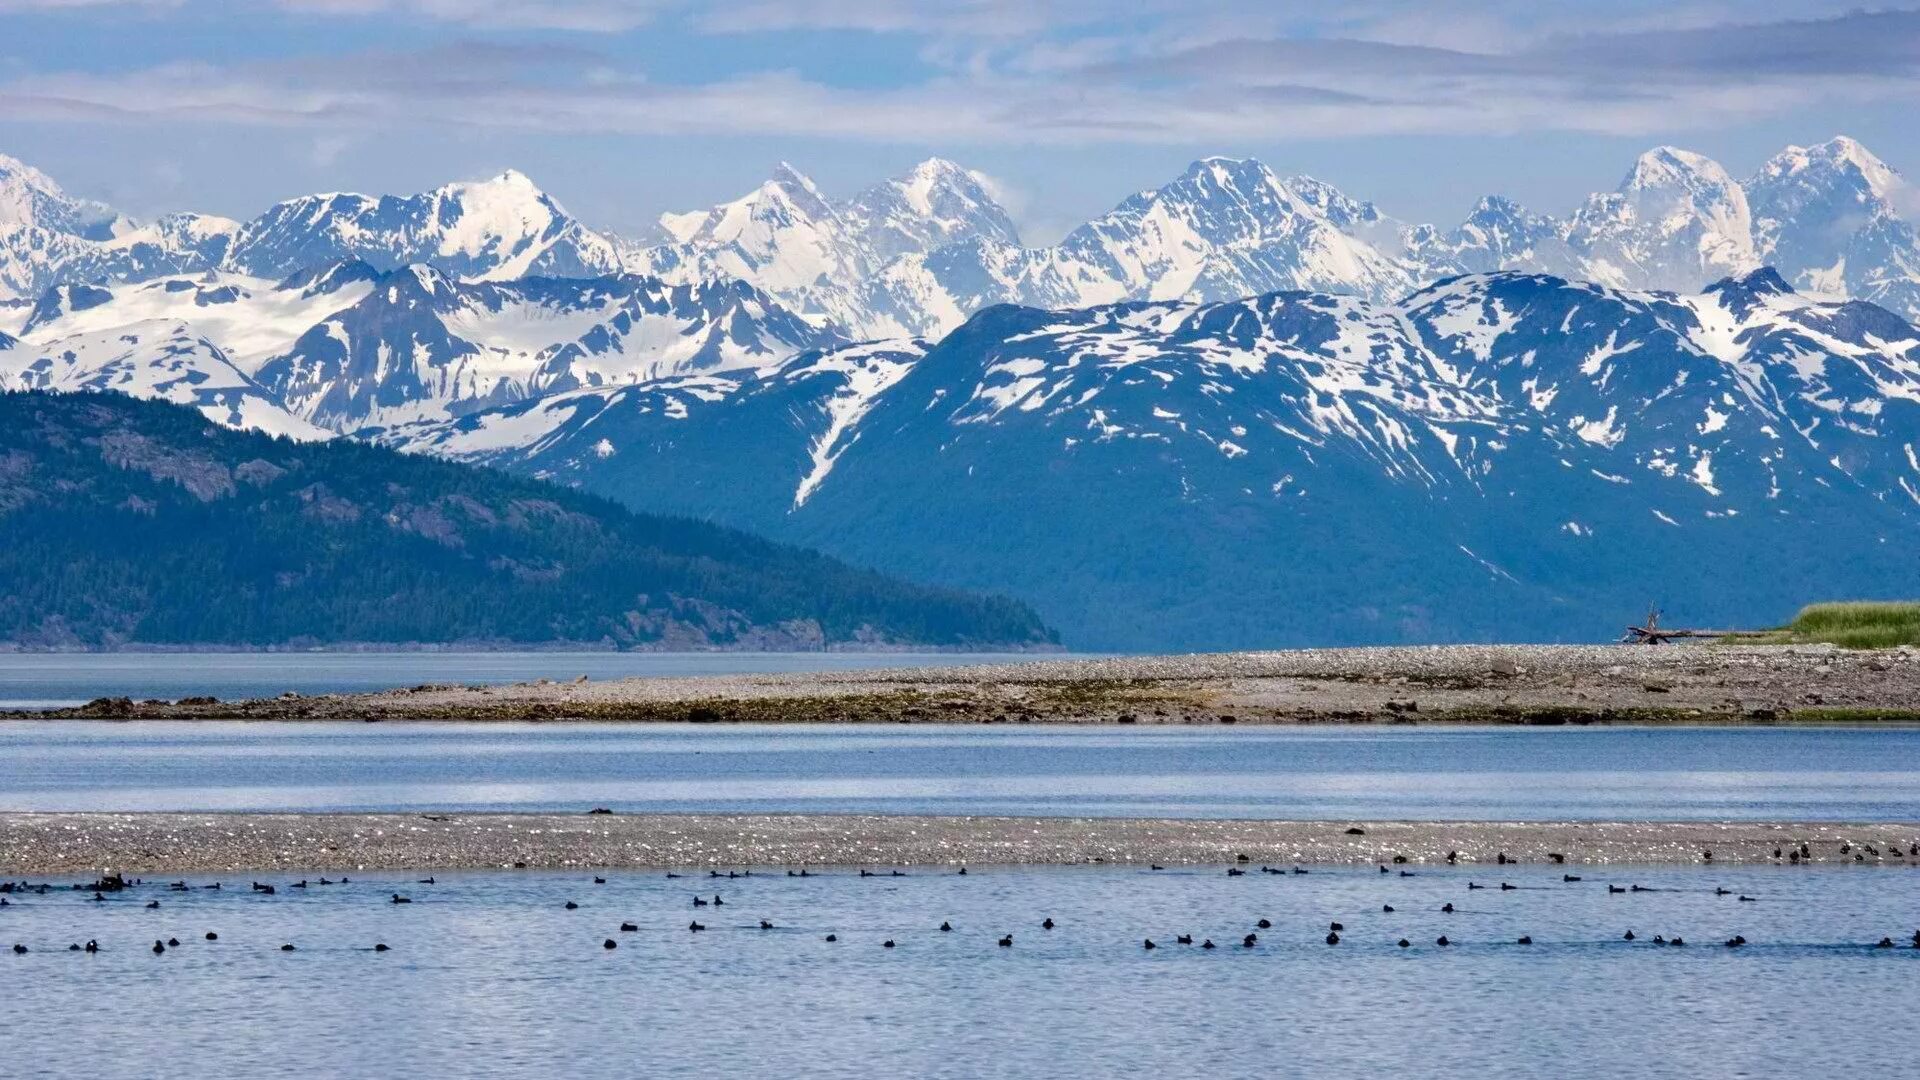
x,y
1870,624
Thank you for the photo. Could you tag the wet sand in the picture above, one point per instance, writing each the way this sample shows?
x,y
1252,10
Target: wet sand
x,y
1500,684
177,844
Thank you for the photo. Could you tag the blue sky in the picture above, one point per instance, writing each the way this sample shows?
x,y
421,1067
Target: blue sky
x,y
625,108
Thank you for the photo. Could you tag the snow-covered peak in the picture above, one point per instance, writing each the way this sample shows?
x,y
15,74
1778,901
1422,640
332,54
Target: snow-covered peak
x,y
504,227
1840,162
936,203
30,198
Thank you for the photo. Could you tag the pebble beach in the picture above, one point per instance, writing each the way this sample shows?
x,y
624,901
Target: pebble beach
x,y
168,844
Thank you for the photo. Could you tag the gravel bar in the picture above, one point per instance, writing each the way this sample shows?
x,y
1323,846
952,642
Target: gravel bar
x,y
1497,684
177,843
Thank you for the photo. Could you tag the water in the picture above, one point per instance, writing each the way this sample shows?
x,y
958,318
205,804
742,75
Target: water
x,y
1360,772
489,977
50,680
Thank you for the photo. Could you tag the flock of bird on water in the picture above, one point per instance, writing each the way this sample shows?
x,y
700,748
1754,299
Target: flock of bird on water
x,y
116,883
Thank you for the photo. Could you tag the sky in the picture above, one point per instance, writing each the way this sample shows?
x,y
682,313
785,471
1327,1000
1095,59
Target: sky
x,y
623,109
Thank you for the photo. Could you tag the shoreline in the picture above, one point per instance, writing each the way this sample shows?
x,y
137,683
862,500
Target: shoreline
x,y
1538,685
47,844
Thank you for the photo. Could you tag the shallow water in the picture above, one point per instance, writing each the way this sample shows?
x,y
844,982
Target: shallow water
x,y
1361,772
490,977
50,680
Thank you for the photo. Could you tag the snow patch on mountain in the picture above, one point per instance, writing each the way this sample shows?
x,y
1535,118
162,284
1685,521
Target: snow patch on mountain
x,y
160,359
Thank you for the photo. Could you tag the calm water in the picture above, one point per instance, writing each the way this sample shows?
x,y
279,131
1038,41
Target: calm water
x,y
47,680
489,977
1318,772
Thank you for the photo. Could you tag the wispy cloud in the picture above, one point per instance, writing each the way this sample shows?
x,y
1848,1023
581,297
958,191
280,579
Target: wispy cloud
x,y
1196,77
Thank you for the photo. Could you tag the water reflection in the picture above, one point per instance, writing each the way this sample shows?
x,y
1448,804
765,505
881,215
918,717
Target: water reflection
x,y
1319,772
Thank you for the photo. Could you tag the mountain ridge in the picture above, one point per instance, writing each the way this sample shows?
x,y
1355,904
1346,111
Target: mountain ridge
x,y
139,522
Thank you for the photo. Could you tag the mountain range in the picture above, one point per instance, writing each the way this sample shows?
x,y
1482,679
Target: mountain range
x,y
1239,409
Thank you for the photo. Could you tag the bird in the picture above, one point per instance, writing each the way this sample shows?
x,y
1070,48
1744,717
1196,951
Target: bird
x,y
887,944
1471,886
1525,939
1615,889
398,899
1333,938
1187,939
422,881
21,950
1336,927
173,943
1047,925
211,936
1387,908
1629,936
1249,941
628,928
1447,908
93,946
1007,942
1569,877
1443,941
1404,943
765,925
1234,871
1885,943
695,926
717,902
153,905
609,944
599,881
1738,940
1155,867
1264,924
159,947
833,937
946,927
1207,944
286,948
962,872
697,902
1148,943
1504,887
571,906
379,946
1746,900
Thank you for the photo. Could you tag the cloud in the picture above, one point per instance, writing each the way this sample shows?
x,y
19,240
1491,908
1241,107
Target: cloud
x,y
587,16
1197,78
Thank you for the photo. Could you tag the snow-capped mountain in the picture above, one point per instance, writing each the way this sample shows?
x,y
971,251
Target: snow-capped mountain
x,y
814,254
344,345
1224,228
1498,453
420,344
157,358
505,227
48,237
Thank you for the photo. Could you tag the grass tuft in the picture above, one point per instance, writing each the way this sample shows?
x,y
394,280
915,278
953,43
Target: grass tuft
x,y
1857,624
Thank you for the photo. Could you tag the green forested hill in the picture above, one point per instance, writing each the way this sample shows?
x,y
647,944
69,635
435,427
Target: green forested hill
x,y
131,522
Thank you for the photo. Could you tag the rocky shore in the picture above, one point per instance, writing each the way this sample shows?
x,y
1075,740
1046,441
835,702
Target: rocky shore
x,y
1548,684
172,844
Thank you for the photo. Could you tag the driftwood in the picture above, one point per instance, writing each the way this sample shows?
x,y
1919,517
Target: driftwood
x,y
1654,634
